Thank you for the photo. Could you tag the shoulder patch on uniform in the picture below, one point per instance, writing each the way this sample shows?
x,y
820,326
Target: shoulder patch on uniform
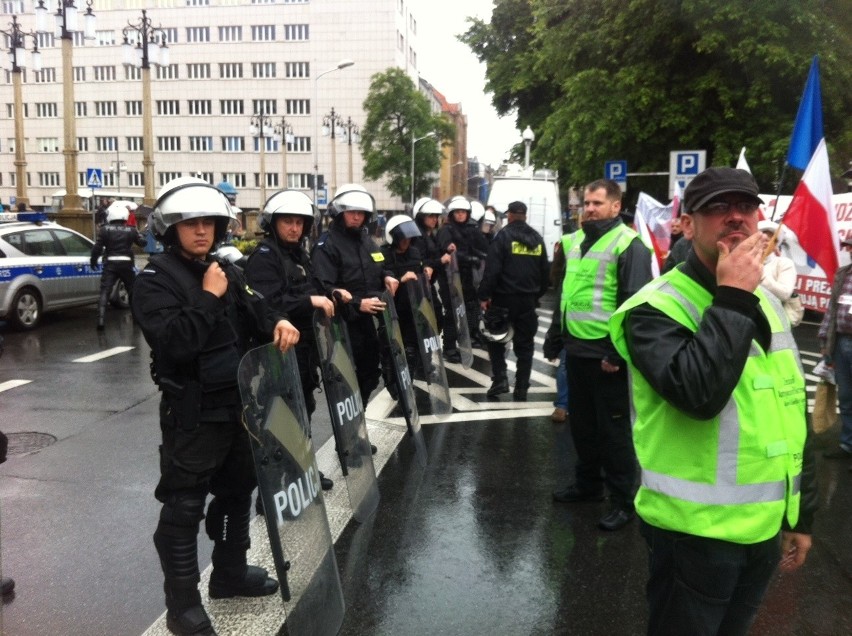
x,y
148,271
378,257
263,248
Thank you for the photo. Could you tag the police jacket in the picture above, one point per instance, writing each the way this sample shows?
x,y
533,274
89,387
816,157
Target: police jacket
x,y
195,336
283,274
399,264
516,264
430,251
675,361
350,260
471,247
633,271
115,241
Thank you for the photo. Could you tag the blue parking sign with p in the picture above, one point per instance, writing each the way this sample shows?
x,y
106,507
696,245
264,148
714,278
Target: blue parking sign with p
x,y
688,163
615,170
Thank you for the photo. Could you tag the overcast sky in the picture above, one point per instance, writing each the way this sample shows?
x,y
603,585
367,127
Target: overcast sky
x,y
453,69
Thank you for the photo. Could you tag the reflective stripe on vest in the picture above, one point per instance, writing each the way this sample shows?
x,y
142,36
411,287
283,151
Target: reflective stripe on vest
x,y
589,290
733,476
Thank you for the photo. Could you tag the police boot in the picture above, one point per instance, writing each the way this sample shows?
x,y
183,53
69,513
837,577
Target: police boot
x,y
178,551
228,525
498,386
325,482
101,313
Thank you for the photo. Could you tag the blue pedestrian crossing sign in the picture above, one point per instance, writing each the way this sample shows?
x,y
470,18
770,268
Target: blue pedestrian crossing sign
x,y
94,178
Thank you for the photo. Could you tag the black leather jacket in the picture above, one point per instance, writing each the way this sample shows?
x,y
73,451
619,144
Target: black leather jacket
x,y
116,240
512,272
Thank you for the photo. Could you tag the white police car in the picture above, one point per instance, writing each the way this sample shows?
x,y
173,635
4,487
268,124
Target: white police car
x,y
45,267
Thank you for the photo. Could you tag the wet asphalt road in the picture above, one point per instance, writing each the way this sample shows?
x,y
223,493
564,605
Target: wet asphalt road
x,y
472,544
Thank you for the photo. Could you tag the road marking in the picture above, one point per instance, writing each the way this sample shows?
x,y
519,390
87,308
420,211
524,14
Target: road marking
x,y
104,354
11,384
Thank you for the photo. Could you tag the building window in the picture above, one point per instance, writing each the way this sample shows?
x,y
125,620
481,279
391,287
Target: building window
x,y
298,106
109,179
231,70
198,71
45,76
80,109
294,1
168,72
296,32
106,109
133,108
134,144
260,70
47,144
201,144
132,72
82,144
264,107
46,110
104,73
200,107
106,144
236,179
263,33
400,41
136,179
165,177
299,144
198,3
105,38
412,57
231,107
198,34
79,73
299,180
168,107
233,144
297,70
46,40
168,144
79,39
205,176
48,179
412,24
271,144
170,34
271,179
230,33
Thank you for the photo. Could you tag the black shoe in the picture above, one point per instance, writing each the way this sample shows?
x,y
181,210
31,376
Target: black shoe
x,y
192,621
452,355
520,395
255,582
100,326
615,519
477,344
572,494
499,386
373,449
325,482
7,586
838,453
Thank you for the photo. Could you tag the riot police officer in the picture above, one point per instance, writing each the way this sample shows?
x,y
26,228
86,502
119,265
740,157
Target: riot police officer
x,y
427,215
115,241
458,236
516,276
281,270
199,318
351,268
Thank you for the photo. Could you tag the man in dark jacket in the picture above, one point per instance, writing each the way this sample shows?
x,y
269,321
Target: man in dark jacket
x,y
199,319
516,276
115,242
728,484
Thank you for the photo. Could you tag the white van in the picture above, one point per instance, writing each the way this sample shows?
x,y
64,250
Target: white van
x,y
539,190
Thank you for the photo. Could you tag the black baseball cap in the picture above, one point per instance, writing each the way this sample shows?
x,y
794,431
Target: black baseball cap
x,y
716,181
517,207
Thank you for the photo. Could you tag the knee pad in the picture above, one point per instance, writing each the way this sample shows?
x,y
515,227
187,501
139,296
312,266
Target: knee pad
x,y
184,510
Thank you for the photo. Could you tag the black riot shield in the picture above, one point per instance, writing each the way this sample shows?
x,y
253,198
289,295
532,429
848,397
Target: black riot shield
x,y
347,414
429,345
402,375
459,313
288,481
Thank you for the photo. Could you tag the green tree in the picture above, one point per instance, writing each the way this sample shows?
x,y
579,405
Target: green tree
x,y
397,113
635,79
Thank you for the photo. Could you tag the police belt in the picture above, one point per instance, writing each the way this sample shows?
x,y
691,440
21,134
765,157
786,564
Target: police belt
x,y
118,258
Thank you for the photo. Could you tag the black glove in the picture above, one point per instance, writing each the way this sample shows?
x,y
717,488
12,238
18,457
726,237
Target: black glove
x,y
553,345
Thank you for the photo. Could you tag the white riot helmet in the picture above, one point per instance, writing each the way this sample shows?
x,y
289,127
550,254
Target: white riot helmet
x,y
400,227
117,211
477,211
490,218
187,198
458,202
427,206
352,197
287,202
494,325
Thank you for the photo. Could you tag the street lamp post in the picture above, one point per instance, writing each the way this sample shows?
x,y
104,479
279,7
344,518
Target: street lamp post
x,y
351,134
260,127
528,136
66,26
414,141
17,49
340,65
331,127
151,48
284,132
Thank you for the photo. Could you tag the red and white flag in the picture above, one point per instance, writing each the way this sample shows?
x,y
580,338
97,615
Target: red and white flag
x,y
811,214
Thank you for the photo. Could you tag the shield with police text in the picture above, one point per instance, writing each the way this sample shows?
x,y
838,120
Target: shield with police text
x,y
429,345
459,313
402,374
346,409
288,481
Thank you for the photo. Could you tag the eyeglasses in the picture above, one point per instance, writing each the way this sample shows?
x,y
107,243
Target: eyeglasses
x,y
724,207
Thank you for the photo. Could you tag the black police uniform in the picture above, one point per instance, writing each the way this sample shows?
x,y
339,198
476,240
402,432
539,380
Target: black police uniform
x,y
430,250
409,261
349,259
516,276
115,241
283,274
471,249
196,342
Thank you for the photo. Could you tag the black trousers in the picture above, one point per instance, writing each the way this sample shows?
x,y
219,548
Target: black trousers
x,y
112,272
524,323
366,353
600,427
